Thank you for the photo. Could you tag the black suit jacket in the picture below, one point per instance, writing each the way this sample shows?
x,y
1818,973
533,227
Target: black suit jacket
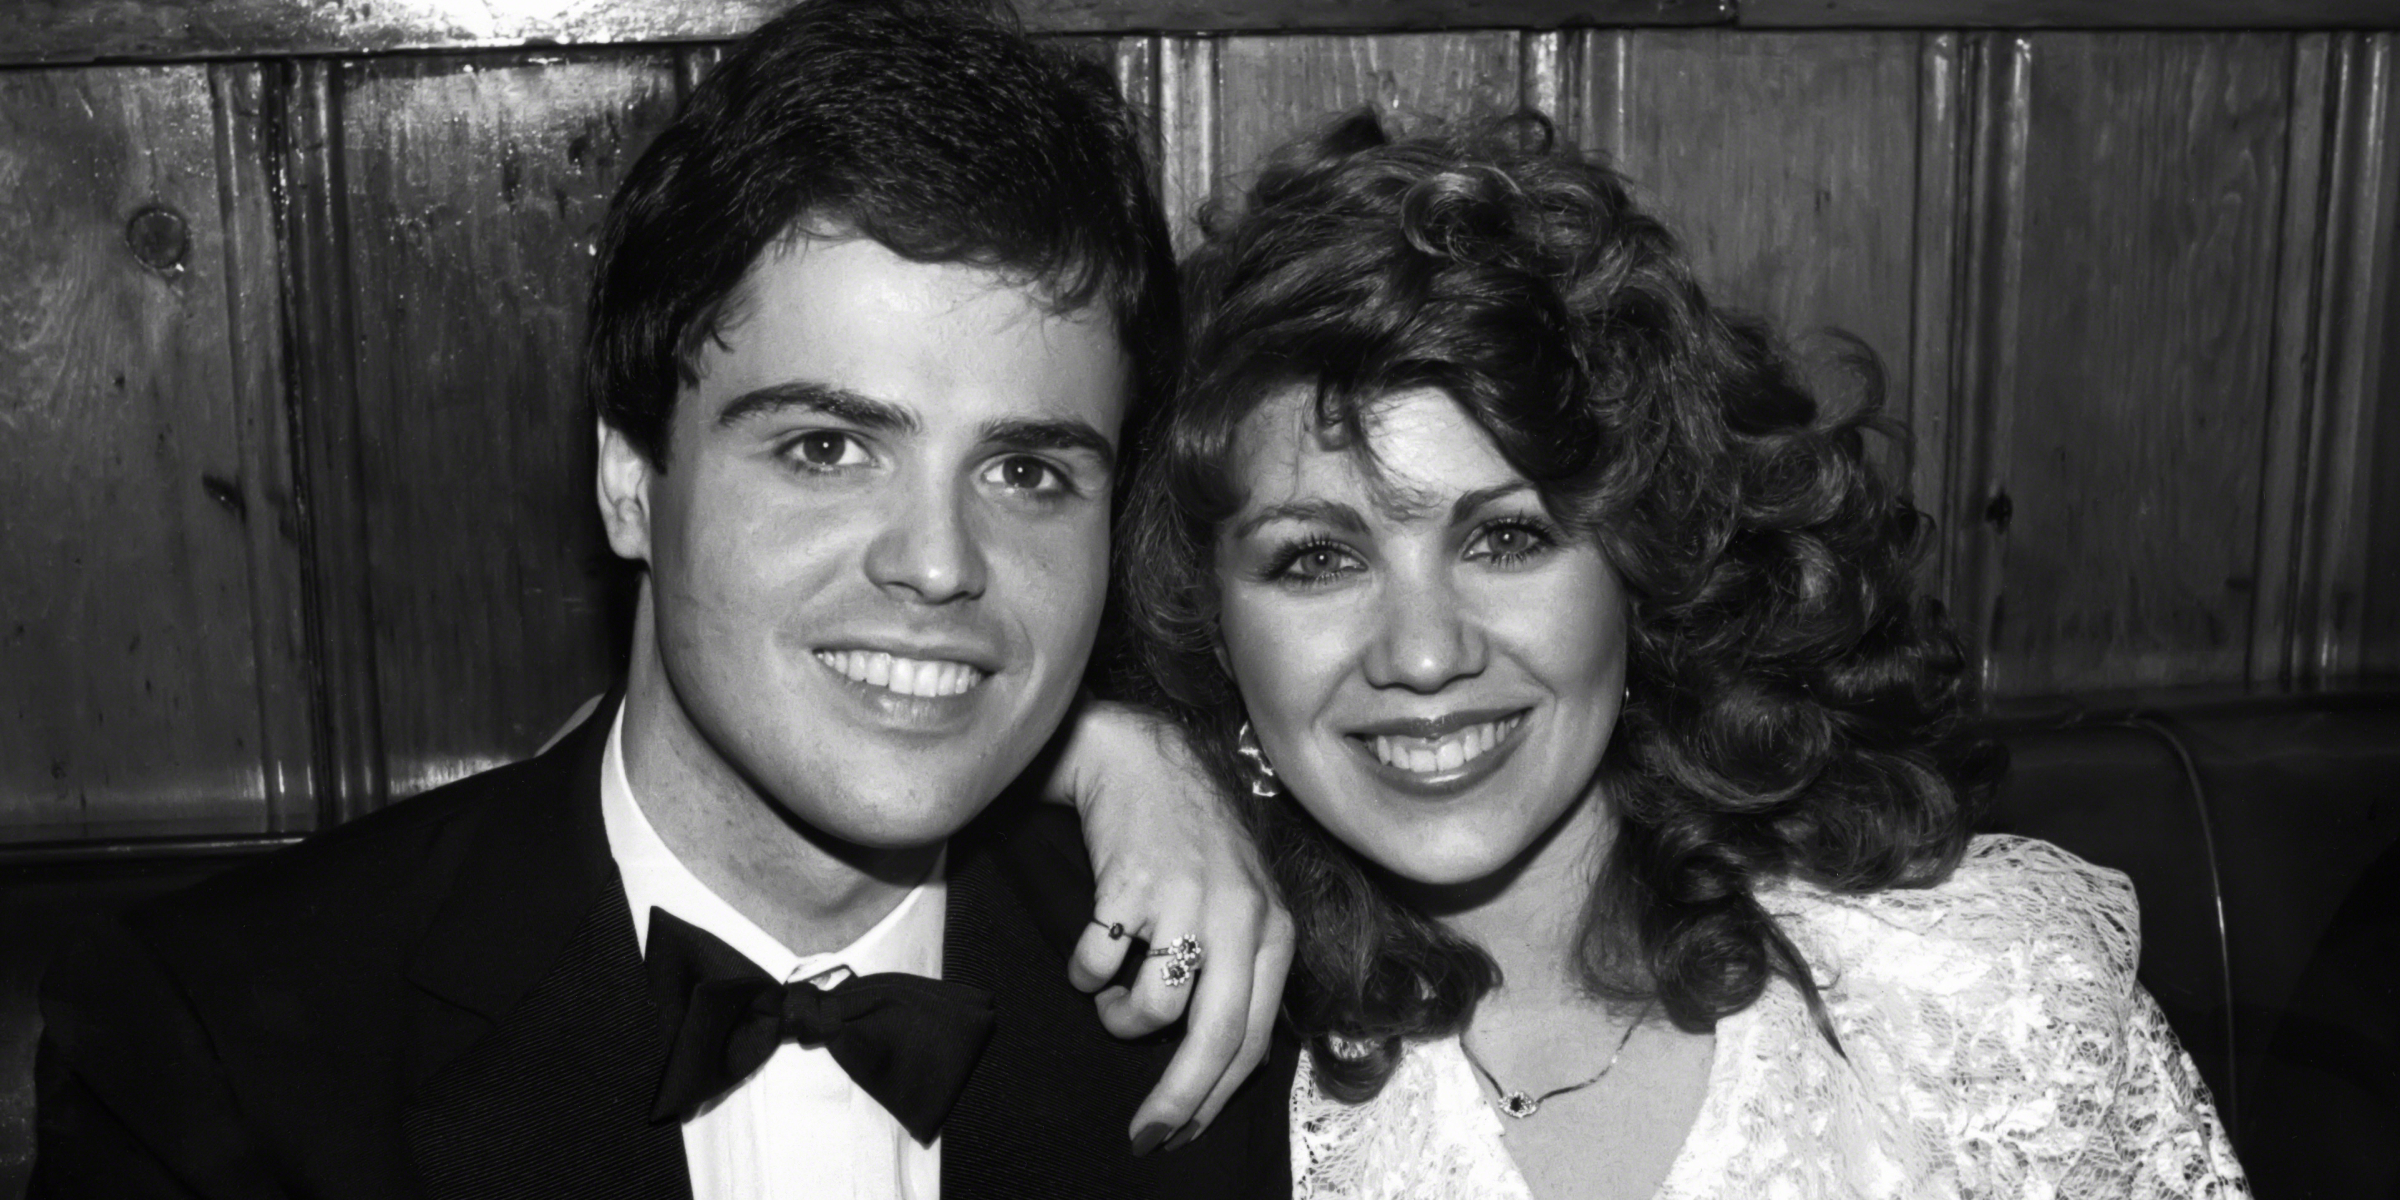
x,y
446,999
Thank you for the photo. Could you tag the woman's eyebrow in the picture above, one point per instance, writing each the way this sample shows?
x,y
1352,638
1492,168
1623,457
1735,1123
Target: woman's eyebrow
x,y
1468,502
1340,516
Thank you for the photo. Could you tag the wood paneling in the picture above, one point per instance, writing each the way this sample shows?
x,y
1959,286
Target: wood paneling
x,y
299,519
2357,534
1270,89
147,583
1789,164
61,31
2295,493
2070,14
322,371
2134,197
69,31
473,191
1185,101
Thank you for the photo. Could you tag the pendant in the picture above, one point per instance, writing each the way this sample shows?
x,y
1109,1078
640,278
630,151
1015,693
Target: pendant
x,y
1519,1105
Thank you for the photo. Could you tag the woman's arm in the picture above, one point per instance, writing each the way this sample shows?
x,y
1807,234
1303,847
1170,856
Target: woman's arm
x,y
1171,861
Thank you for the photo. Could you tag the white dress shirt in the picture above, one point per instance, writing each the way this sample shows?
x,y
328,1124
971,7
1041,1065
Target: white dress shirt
x,y
798,1127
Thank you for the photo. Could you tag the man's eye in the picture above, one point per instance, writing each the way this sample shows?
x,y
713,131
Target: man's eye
x,y
1019,473
825,450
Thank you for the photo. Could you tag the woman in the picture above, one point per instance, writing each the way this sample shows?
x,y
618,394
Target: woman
x,y
1607,756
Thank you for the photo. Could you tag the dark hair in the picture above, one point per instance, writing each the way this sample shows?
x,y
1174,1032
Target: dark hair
x,y
934,127
1794,706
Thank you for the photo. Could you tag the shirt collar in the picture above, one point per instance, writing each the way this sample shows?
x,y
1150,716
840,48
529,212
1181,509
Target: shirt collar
x,y
908,938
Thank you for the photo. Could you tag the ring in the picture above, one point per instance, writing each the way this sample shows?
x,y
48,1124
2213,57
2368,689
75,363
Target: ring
x,y
1184,959
1116,929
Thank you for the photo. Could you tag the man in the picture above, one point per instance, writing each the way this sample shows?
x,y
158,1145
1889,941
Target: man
x,y
868,317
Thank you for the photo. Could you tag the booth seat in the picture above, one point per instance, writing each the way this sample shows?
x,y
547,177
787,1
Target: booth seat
x,y
2260,835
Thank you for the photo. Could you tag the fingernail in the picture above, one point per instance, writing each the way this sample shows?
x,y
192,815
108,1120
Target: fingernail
x,y
1183,1137
1147,1140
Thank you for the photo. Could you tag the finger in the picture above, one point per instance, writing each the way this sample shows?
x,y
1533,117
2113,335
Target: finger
x,y
1150,1004
1218,1037
1099,955
1153,1004
1214,1038
1271,969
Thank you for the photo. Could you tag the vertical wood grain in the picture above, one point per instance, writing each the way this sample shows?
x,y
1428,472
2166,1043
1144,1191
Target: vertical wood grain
x,y
2125,366
1544,73
322,375
2377,317
1975,510
1134,60
248,106
473,190
1273,88
2290,586
1927,396
2345,502
1788,164
693,63
1186,99
1598,63
144,666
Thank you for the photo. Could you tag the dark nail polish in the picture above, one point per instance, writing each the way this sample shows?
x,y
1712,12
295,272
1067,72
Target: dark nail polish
x,y
1183,1137
1147,1140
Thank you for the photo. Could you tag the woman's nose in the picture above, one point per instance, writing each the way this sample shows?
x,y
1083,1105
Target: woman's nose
x,y
1427,639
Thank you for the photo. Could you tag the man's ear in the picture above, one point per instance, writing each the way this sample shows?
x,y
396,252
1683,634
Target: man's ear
x,y
624,485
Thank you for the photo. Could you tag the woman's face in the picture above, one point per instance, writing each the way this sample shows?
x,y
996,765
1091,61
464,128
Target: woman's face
x,y
1432,664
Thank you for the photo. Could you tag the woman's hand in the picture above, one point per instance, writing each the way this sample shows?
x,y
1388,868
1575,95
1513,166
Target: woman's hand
x,y
1172,861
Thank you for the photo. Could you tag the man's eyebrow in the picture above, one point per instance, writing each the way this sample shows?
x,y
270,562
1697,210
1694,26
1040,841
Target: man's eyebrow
x,y
1039,434
1329,512
839,403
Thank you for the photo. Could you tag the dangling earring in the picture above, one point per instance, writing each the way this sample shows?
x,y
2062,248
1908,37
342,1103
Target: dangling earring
x,y
1256,770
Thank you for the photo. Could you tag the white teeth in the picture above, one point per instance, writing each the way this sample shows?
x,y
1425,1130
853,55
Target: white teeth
x,y
907,676
1449,752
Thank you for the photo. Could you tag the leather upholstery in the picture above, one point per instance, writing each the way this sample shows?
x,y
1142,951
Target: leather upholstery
x,y
2263,837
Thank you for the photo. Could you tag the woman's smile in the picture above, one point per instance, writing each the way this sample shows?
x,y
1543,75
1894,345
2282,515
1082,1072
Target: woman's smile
x,y
1441,756
1430,660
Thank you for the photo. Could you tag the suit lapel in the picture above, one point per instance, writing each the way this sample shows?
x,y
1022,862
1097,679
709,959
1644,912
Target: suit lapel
x,y
1046,1110
540,1051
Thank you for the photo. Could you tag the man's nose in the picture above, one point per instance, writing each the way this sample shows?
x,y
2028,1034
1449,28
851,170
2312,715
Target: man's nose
x,y
929,550
1425,638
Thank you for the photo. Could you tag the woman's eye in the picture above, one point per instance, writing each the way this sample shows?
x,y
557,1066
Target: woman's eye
x,y
1510,542
1314,563
1019,473
826,450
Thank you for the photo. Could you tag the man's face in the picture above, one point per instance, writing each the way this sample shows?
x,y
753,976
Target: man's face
x,y
880,544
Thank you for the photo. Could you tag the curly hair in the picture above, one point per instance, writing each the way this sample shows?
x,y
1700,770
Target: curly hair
x,y
1795,706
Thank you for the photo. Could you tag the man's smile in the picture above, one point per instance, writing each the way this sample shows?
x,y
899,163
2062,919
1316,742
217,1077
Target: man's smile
x,y
905,676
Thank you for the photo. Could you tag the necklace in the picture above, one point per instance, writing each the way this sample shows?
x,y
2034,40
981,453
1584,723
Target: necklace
x,y
1520,1105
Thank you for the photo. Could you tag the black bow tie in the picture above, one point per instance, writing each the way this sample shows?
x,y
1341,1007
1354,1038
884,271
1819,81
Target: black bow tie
x,y
906,1040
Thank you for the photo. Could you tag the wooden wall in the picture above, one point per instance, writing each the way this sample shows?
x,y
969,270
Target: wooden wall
x,y
295,507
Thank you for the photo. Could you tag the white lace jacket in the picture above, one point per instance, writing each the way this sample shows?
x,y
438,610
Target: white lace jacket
x,y
1998,1047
